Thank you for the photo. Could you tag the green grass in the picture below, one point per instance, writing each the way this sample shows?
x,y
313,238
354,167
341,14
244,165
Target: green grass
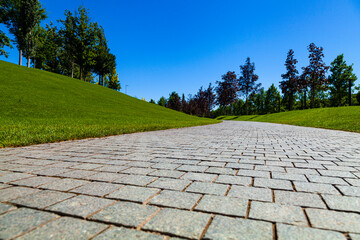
x,y
340,118
40,107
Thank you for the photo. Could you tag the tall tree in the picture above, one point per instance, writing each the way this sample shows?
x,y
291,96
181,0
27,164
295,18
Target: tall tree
x,y
104,60
226,89
315,72
341,80
289,86
21,18
272,103
4,42
247,81
79,38
174,101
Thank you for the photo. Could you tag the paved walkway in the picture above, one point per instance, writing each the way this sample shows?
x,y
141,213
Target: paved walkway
x,y
234,180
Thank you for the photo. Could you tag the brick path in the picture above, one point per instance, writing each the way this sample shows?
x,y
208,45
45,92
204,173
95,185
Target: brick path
x,y
235,180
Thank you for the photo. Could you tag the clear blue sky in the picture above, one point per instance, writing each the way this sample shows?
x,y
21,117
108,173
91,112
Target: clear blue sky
x,y
180,45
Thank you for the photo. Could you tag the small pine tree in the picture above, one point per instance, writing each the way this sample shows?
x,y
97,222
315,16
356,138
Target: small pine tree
x,y
113,80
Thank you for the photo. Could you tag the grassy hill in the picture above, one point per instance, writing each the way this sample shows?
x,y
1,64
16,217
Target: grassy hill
x,y
39,107
340,118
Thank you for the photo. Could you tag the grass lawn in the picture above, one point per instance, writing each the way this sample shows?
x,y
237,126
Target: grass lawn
x,y
40,107
340,118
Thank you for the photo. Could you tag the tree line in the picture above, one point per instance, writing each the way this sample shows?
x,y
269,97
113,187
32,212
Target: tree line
x,y
77,47
242,94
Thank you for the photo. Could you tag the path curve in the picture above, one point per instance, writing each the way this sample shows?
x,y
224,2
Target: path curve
x,y
233,180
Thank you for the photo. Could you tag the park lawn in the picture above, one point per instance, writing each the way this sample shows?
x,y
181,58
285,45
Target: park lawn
x,y
339,118
40,107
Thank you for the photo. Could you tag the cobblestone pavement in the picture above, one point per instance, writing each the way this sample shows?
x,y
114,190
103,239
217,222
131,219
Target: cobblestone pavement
x,y
234,180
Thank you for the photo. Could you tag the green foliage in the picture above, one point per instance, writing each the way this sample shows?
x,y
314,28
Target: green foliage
x,y
152,101
79,36
174,102
358,97
21,18
4,42
272,103
340,118
341,79
162,102
39,107
113,80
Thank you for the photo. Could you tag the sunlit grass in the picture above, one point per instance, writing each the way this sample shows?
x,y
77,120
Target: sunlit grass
x,y
40,107
340,118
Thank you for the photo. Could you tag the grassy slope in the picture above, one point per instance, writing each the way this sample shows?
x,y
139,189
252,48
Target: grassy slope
x,y
341,118
38,107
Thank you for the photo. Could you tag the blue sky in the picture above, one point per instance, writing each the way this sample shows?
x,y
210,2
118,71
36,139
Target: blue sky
x,y
179,45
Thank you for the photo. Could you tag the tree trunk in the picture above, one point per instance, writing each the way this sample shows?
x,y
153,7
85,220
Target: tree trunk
x,y
72,70
291,101
80,73
28,62
246,105
304,99
350,92
312,97
20,57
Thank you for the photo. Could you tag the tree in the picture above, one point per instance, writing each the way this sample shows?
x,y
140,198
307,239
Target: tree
x,y
174,101
272,103
247,81
79,36
259,101
226,89
289,86
4,42
358,97
162,102
113,80
184,105
104,60
21,17
315,72
341,80
152,101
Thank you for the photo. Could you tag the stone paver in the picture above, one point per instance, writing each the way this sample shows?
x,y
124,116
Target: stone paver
x,y
66,228
178,222
277,213
237,228
134,193
223,205
121,233
176,199
233,180
81,206
126,213
333,220
42,199
22,220
288,232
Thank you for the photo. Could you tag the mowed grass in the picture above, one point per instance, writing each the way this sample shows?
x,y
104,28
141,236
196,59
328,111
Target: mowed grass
x,y
40,107
340,118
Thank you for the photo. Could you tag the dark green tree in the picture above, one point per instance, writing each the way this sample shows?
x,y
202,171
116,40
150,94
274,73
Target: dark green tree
x,y
104,61
272,103
289,86
341,81
152,101
21,17
315,72
247,81
79,36
226,89
174,101
162,102
4,42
